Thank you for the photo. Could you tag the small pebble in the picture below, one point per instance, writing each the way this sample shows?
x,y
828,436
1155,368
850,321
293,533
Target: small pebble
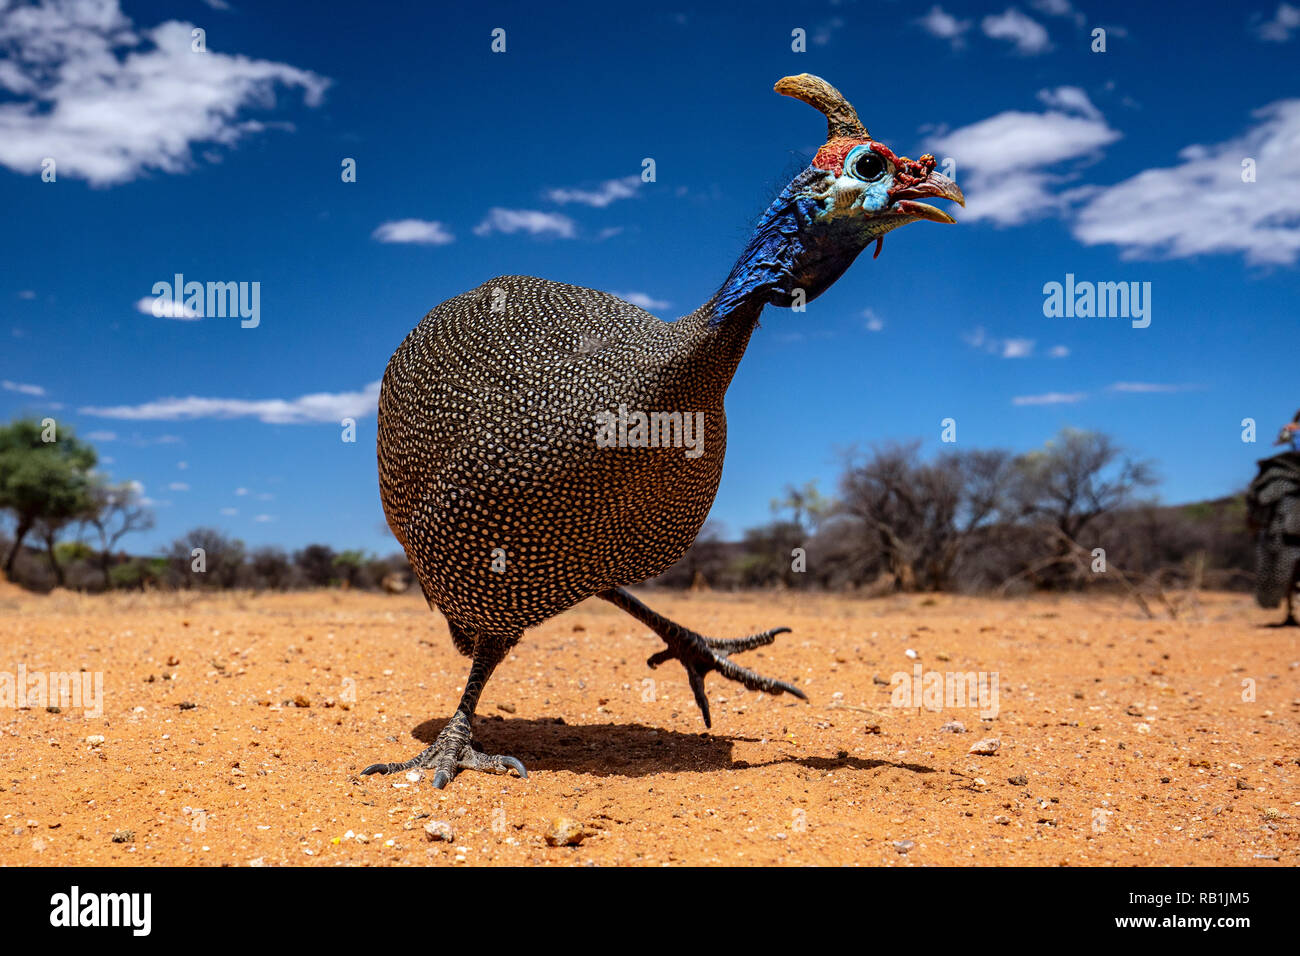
x,y
565,832
986,747
953,727
437,830
124,836
1019,780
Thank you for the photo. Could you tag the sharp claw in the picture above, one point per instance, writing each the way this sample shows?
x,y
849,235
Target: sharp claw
x,y
697,686
375,768
515,765
656,659
441,779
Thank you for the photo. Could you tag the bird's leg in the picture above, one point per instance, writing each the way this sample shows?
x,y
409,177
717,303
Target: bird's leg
x,y
454,750
700,654
1290,614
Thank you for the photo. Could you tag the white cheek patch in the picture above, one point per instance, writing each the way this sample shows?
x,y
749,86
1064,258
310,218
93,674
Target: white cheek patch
x,y
848,193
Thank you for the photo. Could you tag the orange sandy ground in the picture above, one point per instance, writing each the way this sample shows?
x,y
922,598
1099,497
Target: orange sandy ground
x,y
1133,735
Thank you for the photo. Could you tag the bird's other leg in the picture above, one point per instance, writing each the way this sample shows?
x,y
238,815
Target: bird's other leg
x,y
700,654
454,750
1290,613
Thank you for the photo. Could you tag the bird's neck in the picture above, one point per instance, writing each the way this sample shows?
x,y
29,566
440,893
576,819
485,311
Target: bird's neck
x,y
788,261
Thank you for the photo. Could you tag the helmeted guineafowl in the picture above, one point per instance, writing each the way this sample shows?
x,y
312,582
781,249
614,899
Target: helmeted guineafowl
x,y
541,443
1273,516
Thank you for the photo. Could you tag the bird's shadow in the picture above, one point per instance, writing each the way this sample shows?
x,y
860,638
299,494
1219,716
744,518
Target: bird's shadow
x,y
627,750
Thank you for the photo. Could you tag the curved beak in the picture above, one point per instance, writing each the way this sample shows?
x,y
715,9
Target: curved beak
x,y
935,185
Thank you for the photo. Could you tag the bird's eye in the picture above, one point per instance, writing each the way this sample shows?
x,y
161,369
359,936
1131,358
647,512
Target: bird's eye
x,y
868,166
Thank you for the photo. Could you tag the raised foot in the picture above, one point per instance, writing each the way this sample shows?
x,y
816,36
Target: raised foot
x,y
447,756
700,654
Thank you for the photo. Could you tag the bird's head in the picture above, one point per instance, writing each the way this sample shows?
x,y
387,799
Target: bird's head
x,y
856,190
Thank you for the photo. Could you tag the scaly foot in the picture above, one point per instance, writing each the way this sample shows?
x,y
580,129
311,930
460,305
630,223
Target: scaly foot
x,y
700,654
452,752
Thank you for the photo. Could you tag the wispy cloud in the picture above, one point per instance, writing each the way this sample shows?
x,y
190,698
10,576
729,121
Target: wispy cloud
x,y
1148,387
1284,23
317,407
647,302
1027,35
1163,212
874,323
942,24
21,389
101,436
1050,398
1058,351
423,232
109,103
1006,348
531,221
1045,147
1059,8
164,307
611,190
178,486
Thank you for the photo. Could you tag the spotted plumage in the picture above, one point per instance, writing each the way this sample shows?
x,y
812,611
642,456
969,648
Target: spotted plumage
x,y
497,465
1273,512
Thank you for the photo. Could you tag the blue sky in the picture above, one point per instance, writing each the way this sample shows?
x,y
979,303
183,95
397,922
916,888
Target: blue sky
x,y
1123,165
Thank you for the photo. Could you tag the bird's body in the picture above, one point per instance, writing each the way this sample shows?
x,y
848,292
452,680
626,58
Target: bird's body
x,y
542,443
1273,514
489,467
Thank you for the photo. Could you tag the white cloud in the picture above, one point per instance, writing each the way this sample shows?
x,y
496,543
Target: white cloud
x,y
109,104
22,389
217,4
1028,35
1147,387
942,24
1283,24
239,492
1059,8
1007,164
647,302
1050,398
607,192
874,322
318,407
422,231
1058,351
1006,348
178,486
164,307
1202,206
1070,99
531,221
229,512
102,436
182,465
264,518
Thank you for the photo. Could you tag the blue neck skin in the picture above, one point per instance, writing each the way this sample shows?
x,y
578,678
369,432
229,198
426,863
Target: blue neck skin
x,y
790,249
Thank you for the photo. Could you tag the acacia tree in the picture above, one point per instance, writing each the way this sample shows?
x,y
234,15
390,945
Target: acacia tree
x,y
45,483
920,516
1073,480
117,512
